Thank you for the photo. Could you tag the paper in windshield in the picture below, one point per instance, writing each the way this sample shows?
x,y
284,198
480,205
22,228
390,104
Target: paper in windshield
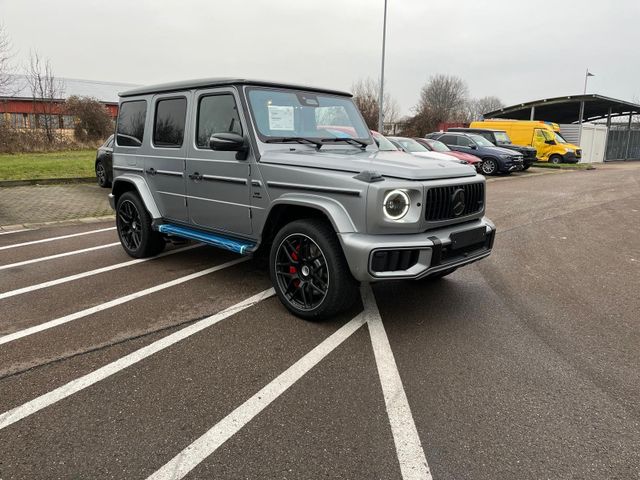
x,y
281,117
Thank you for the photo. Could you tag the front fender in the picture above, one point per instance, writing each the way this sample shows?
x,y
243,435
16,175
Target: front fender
x,y
334,210
124,183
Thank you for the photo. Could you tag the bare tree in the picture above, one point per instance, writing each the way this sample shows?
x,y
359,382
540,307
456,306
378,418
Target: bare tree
x,y
442,99
476,108
6,55
366,95
45,91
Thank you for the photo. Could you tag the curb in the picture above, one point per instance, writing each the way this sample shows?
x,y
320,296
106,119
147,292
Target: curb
x,y
74,221
46,181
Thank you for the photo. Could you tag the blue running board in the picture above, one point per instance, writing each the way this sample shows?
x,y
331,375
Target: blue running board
x,y
214,239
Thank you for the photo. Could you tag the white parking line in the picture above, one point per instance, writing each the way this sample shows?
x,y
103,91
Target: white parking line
x,y
191,456
97,271
413,464
44,240
58,255
118,301
18,413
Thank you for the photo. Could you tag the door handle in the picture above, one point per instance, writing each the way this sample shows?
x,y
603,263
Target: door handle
x,y
196,176
151,171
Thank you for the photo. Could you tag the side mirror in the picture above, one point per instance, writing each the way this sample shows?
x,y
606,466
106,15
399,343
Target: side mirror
x,y
473,147
550,142
229,142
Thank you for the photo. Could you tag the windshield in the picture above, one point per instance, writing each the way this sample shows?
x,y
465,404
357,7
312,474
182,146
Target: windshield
x,y
502,137
438,146
411,145
284,113
559,138
383,143
481,141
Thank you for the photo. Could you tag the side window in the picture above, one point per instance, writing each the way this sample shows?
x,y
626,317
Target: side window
x,y
168,126
216,114
131,119
464,142
448,139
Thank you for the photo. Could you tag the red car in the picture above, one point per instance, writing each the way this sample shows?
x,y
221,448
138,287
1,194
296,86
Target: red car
x,y
436,146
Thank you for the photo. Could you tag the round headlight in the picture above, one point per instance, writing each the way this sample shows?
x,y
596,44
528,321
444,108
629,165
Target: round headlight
x,y
396,204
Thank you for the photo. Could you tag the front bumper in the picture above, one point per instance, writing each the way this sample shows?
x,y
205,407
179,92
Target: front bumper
x,y
570,157
433,249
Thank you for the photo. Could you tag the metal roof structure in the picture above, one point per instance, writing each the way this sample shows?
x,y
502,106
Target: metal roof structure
x,y
105,92
217,82
567,109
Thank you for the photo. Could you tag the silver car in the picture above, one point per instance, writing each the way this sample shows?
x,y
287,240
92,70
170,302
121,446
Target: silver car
x,y
293,173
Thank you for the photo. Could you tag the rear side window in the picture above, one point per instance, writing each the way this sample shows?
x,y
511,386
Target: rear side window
x,y
217,114
168,127
131,119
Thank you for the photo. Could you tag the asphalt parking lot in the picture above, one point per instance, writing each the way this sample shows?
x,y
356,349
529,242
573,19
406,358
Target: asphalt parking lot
x,y
525,365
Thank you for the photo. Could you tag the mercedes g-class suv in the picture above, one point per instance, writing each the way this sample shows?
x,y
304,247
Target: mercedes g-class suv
x,y
291,171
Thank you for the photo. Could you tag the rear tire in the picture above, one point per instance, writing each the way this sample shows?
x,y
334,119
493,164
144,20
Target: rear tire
x,y
309,271
101,175
136,234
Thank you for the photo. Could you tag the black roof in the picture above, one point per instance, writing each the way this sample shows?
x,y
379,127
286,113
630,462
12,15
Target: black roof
x,y
567,109
218,82
471,130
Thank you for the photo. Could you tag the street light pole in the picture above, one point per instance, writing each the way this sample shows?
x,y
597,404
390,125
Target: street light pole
x,y
586,79
381,99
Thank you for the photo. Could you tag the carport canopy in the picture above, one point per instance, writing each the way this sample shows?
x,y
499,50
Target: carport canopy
x,y
568,109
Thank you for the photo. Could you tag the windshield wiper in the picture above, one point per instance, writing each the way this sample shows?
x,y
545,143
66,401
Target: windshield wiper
x,y
304,140
351,141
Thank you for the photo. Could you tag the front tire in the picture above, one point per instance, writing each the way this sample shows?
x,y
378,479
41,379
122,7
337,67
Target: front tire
x,y
489,166
136,234
555,159
309,272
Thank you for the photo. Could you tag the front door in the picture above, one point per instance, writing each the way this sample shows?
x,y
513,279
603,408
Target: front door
x,y
164,167
540,138
217,182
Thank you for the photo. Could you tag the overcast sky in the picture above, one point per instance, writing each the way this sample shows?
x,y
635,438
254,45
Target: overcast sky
x,y
517,50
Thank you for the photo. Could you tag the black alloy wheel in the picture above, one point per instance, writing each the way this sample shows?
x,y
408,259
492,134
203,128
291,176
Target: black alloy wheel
x,y
302,272
101,175
137,236
130,225
309,270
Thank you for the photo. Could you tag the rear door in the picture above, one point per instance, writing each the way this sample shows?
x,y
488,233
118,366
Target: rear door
x,y
217,182
165,165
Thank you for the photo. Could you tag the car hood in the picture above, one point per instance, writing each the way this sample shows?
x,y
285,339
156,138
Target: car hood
x,y
389,164
502,151
467,157
436,156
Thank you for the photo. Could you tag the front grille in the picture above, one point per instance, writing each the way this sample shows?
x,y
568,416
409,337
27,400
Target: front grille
x,y
394,260
439,201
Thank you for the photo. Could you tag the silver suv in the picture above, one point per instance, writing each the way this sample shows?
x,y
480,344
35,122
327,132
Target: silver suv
x,y
292,172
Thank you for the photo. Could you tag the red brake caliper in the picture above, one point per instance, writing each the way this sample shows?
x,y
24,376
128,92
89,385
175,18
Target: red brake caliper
x,y
294,270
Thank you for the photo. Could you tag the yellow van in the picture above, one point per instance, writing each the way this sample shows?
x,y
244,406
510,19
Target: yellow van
x,y
543,136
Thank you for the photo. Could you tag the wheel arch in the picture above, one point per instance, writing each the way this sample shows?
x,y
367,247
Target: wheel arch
x,y
128,183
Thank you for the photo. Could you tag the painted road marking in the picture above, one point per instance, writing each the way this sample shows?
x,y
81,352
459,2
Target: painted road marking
x,y
58,255
413,463
18,413
89,273
44,240
112,303
191,456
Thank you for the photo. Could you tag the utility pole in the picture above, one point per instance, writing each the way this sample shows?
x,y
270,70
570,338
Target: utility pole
x,y
381,99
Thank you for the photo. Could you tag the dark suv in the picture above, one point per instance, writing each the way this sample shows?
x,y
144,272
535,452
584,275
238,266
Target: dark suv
x,y
494,159
500,138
